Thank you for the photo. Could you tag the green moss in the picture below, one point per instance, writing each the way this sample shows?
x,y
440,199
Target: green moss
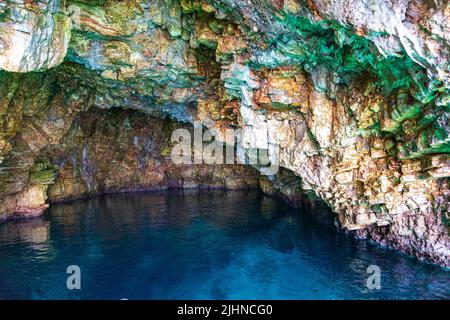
x,y
283,107
446,219
122,12
4,15
188,24
209,43
389,145
440,148
348,56
377,208
426,121
63,27
424,140
440,134
42,172
216,26
406,112
87,2
189,6
327,43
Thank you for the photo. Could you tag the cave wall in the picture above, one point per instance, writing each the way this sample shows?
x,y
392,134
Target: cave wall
x,y
351,97
123,151
56,146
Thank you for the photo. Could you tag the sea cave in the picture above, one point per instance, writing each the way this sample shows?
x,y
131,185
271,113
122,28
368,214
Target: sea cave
x,y
224,149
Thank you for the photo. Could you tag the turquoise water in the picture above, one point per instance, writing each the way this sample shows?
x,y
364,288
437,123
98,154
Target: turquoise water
x,y
207,245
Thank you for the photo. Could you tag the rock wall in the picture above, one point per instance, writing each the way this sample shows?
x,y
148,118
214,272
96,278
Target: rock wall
x,y
400,202
58,147
35,112
34,35
123,151
351,97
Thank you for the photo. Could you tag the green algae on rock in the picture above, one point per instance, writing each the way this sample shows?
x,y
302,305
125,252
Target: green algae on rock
x,y
352,100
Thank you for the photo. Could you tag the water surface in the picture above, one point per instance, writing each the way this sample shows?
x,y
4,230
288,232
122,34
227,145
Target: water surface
x,y
207,245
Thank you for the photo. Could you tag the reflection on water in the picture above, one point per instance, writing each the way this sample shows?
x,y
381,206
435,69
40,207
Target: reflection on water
x,y
34,232
207,245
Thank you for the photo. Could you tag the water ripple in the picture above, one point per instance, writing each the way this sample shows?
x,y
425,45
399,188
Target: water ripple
x,y
207,245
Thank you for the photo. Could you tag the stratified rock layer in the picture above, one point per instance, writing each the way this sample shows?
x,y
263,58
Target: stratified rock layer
x,y
120,151
350,98
58,148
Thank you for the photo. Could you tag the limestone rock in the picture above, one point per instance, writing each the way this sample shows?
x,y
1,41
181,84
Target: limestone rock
x,y
350,98
34,35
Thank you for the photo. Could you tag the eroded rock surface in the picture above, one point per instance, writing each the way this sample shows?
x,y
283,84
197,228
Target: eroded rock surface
x,y
58,147
399,201
34,35
350,97
120,151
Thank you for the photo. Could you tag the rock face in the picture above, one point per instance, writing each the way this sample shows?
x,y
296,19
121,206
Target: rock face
x,y
34,35
399,202
120,151
57,148
350,98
